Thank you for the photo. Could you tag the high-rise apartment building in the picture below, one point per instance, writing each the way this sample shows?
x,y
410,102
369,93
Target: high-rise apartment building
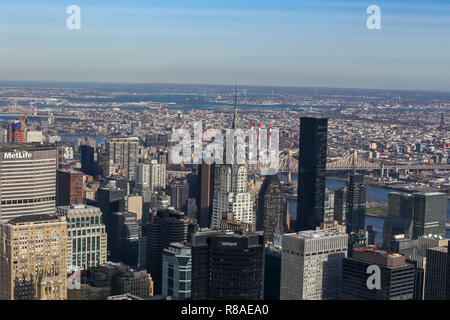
x,y
86,236
177,271
27,180
312,173
227,265
69,187
33,258
123,152
125,232
311,264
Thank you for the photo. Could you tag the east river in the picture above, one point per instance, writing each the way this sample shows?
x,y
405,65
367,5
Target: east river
x,y
377,194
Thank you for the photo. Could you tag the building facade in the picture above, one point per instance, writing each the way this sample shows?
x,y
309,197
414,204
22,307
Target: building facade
x,y
27,180
33,258
177,271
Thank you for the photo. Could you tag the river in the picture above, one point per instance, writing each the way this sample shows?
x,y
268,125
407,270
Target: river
x,y
377,194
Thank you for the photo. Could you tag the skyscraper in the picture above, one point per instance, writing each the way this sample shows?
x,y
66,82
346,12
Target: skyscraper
x,y
396,276
88,164
312,173
400,217
33,258
165,227
436,273
356,203
177,271
231,188
17,130
227,265
270,213
340,205
69,187
27,180
124,238
123,152
429,213
86,236
311,264
206,194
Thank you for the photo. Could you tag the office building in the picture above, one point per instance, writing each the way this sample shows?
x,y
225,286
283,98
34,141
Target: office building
x,y
69,187
311,264
356,204
86,236
17,130
429,213
27,180
88,163
328,215
436,273
396,276
124,238
312,172
165,227
33,258
179,194
272,272
177,271
227,265
206,194
270,213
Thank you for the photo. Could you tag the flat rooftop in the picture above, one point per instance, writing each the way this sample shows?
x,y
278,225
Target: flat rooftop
x,y
33,218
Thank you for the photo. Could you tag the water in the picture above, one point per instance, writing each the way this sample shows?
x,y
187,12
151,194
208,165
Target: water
x,y
377,194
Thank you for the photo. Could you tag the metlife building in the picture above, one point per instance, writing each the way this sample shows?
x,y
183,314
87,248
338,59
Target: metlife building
x,y
27,180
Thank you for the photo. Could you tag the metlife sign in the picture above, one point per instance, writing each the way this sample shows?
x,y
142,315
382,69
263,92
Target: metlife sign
x,y
17,155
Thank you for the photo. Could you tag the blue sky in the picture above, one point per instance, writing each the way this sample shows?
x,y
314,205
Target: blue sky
x,y
261,42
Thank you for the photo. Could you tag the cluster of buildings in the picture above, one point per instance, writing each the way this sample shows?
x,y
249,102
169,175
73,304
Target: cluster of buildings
x,y
119,220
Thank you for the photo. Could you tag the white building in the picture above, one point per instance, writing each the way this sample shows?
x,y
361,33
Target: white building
x,y
311,264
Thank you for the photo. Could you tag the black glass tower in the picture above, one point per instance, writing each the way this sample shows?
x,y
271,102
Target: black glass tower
x,y
312,173
356,203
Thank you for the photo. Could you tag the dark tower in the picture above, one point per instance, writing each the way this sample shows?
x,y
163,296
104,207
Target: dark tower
x,y
88,165
269,216
356,204
312,173
206,194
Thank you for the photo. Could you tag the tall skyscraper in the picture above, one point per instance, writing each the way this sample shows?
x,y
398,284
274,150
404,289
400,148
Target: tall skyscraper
x,y
123,152
88,164
33,258
270,213
429,213
179,194
436,273
69,187
177,271
272,272
400,217
340,205
86,236
124,238
231,188
312,173
397,276
27,180
356,204
206,194
227,265
311,264
165,227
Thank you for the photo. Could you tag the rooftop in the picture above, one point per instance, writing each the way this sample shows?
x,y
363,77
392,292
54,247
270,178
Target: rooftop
x,y
33,218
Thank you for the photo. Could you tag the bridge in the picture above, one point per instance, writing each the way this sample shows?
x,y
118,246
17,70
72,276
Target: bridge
x,y
288,164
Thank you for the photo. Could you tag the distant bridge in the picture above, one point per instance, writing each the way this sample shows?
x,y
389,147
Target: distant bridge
x,y
288,164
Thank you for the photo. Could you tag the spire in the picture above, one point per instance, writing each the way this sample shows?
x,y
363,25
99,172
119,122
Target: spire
x,y
235,117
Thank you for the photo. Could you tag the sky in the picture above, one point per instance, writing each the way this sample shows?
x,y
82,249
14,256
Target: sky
x,y
255,42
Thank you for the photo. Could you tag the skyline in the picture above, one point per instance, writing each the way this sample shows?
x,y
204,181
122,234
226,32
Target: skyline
x,y
269,43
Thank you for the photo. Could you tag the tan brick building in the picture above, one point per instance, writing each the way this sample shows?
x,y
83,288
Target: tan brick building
x,y
33,258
